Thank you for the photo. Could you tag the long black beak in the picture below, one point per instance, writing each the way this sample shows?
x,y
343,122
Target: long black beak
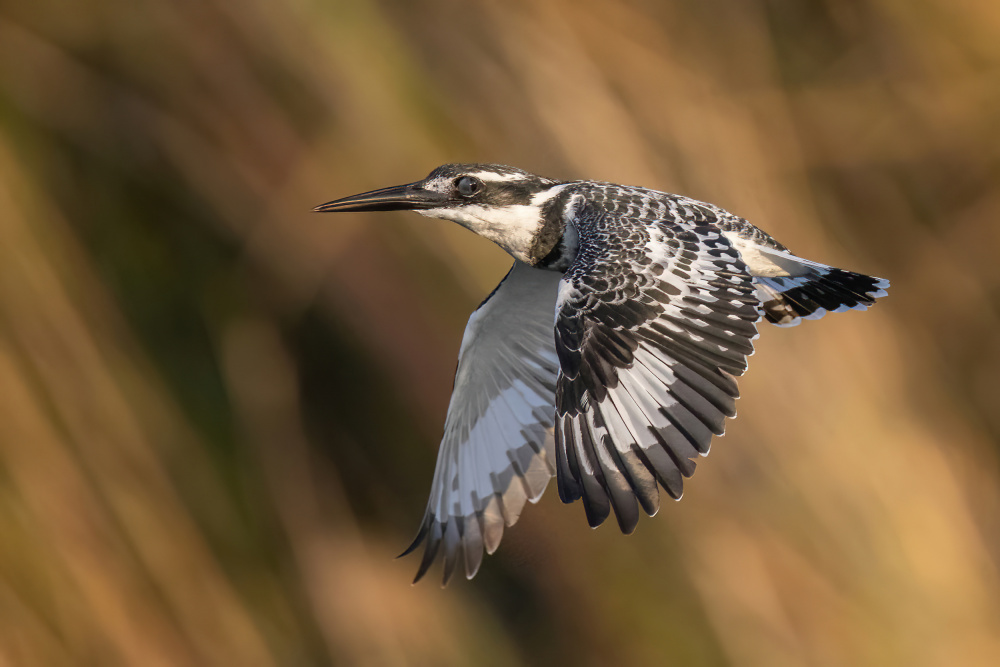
x,y
397,198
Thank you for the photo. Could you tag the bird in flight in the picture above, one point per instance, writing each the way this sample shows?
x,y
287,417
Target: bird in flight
x,y
609,353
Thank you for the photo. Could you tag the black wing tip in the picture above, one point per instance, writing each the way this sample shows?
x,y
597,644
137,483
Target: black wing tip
x,y
598,511
449,569
460,548
421,536
627,520
431,552
569,490
596,506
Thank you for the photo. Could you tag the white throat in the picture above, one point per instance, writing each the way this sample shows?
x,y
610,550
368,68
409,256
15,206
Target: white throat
x,y
513,227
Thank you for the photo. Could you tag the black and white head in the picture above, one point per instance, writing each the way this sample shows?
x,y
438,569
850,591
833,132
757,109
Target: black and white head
x,y
509,206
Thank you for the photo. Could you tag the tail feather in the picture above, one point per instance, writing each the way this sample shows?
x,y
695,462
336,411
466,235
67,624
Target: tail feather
x,y
816,291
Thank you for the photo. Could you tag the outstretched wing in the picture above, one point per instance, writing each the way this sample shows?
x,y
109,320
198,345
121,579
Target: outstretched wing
x,y
654,321
497,447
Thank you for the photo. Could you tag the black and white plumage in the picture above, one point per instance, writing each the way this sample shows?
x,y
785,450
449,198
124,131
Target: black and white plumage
x,y
608,355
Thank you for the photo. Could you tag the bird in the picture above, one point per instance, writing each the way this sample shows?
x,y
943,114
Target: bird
x,y
608,355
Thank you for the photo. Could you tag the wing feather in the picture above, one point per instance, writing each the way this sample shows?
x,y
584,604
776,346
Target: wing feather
x,y
497,451
655,320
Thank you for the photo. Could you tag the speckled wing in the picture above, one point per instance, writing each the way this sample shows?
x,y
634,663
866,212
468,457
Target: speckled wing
x,y
654,321
496,453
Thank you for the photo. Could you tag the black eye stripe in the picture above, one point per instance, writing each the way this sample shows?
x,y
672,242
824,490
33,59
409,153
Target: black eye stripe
x,y
511,193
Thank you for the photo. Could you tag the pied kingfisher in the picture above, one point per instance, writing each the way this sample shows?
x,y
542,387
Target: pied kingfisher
x,y
609,353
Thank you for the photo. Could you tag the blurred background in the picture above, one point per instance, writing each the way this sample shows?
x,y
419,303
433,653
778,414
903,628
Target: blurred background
x,y
219,412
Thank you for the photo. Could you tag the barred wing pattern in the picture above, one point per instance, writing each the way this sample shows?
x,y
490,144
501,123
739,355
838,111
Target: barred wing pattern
x,y
496,453
654,320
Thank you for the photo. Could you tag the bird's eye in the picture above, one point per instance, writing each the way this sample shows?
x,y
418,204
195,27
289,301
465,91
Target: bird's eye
x,y
467,186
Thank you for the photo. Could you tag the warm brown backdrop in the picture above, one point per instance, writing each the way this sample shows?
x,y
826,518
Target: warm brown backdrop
x,y
219,412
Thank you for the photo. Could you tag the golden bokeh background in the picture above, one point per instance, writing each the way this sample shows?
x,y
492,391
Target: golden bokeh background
x,y
219,412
